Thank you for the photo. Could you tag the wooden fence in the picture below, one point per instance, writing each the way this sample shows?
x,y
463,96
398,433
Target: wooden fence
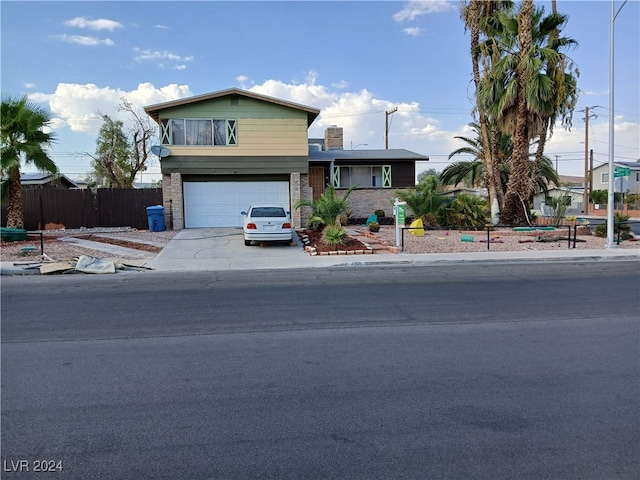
x,y
106,207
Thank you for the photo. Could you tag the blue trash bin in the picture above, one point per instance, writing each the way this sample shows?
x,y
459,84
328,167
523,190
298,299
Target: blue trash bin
x,y
155,215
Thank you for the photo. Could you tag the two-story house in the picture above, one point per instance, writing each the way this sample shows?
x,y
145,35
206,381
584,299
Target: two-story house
x,y
225,150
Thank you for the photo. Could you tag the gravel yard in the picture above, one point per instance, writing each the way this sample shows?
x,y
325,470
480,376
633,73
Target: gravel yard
x,y
434,241
444,241
59,250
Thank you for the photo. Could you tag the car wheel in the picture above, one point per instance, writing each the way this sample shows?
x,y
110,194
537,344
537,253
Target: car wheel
x,y
247,243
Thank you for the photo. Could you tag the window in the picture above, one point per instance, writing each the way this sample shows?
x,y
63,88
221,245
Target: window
x,y
604,178
362,175
180,131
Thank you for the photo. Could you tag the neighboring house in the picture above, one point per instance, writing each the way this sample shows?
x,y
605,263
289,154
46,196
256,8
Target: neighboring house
x,y
630,184
228,149
46,180
573,198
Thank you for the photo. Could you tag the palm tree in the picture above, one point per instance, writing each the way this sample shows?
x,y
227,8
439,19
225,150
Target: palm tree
x,y
472,170
23,140
425,200
521,96
476,14
327,209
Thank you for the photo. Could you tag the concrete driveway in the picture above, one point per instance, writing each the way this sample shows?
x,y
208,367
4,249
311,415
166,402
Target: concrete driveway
x,y
224,249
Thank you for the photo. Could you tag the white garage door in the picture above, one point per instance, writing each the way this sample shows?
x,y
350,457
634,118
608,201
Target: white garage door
x,y
218,204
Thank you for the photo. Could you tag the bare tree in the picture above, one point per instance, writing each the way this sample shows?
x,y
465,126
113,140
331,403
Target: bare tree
x,y
123,151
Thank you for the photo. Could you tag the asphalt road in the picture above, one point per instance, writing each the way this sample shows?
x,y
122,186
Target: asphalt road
x,y
477,371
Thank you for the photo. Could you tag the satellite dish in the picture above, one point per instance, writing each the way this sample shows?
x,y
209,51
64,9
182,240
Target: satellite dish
x,y
160,151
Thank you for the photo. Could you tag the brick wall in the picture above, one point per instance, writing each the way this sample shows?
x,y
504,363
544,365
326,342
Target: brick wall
x,y
333,138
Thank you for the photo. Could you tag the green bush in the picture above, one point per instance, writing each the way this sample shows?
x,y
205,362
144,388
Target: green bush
x,y
333,235
599,196
467,211
379,213
619,227
374,227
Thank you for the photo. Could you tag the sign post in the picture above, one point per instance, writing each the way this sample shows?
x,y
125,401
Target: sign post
x,y
399,210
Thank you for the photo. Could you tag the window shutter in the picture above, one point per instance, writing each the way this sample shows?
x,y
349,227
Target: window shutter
x,y
386,176
232,133
336,176
164,132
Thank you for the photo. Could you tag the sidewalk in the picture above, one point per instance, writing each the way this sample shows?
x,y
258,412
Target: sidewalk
x,y
223,250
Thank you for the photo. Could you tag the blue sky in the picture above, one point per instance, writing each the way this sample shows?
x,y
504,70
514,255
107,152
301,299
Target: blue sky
x,y
353,60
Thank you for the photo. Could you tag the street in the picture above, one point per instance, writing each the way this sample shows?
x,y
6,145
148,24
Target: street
x,y
494,371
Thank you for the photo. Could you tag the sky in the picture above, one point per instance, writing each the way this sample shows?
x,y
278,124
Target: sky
x,y
352,60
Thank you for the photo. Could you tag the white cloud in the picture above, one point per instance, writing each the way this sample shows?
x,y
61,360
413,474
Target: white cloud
x,y
413,31
147,55
415,9
85,40
29,85
100,24
79,106
361,114
161,27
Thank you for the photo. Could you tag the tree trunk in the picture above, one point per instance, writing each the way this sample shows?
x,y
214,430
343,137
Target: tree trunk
x,y
517,200
15,209
489,162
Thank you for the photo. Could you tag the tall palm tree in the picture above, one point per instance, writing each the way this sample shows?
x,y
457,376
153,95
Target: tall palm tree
x,y
23,141
476,14
521,95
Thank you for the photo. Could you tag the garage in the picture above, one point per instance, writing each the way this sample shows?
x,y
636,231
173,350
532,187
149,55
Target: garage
x,y
218,204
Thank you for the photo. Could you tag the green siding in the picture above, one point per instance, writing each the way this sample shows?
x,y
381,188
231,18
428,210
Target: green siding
x,y
224,108
234,165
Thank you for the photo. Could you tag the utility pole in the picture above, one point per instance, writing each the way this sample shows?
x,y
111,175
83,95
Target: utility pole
x,y
587,171
386,126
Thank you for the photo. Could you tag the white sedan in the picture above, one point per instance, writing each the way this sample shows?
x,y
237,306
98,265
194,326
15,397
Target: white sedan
x,y
267,223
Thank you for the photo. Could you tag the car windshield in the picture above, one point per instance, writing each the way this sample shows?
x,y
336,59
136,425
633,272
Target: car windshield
x,y
261,212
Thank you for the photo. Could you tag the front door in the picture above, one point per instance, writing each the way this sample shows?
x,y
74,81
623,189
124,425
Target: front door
x,y
316,181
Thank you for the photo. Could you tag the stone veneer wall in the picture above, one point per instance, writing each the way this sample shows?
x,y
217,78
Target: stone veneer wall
x,y
362,202
167,201
365,201
177,201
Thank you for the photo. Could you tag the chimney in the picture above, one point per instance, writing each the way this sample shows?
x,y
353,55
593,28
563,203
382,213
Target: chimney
x,y
333,138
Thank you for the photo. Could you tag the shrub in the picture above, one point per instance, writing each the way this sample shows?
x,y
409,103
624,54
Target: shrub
x,y
333,235
374,227
379,213
599,196
467,211
619,227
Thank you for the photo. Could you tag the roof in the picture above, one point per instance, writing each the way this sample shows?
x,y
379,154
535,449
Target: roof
x,y
154,110
632,165
42,178
362,155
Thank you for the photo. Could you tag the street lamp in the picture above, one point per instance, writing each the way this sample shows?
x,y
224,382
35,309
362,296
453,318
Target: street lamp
x,y
611,196
359,145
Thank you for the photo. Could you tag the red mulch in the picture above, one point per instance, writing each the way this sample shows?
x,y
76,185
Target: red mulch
x,y
350,243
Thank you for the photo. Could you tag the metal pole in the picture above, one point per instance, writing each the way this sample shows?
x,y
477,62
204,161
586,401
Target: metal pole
x,y
585,192
611,196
